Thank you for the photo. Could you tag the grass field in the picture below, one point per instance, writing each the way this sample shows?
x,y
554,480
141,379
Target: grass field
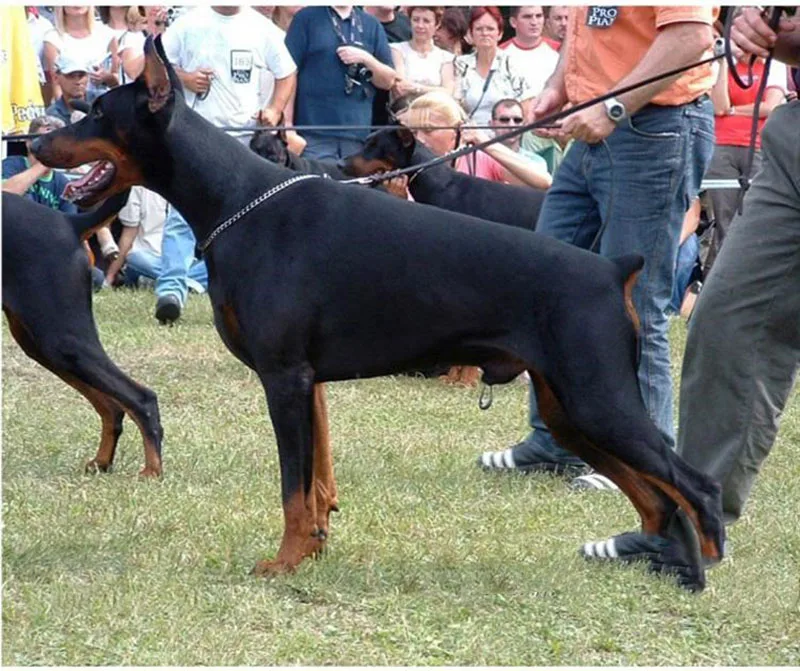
x,y
431,562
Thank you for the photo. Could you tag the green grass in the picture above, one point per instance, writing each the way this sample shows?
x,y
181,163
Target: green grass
x,y
430,561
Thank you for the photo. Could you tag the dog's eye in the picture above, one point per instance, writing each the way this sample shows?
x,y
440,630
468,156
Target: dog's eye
x,y
97,113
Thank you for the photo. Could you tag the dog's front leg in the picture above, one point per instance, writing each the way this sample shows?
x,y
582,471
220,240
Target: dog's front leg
x,y
289,397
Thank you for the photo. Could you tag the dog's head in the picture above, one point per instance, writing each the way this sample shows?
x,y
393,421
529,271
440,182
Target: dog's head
x,y
384,150
271,145
123,133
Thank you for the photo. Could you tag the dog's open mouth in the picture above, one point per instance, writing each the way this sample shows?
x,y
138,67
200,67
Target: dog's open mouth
x,y
92,184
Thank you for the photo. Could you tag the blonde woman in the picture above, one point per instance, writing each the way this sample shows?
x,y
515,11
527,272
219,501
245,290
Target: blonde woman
x,y
439,123
78,36
420,65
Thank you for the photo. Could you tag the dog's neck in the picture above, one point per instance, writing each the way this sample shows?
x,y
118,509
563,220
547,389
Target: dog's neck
x,y
211,175
434,177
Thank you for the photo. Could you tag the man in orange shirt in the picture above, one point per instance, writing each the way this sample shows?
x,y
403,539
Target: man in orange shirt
x,y
630,176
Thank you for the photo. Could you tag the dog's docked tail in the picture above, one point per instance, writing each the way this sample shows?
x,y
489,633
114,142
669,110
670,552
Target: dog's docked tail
x,y
86,223
629,267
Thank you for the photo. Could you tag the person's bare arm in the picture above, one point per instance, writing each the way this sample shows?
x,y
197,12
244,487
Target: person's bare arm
x,y
197,81
52,89
282,95
772,98
295,142
126,239
676,45
517,169
383,76
21,182
720,95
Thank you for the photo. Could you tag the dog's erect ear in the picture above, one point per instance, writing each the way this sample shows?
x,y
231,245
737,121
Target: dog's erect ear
x,y
156,74
406,137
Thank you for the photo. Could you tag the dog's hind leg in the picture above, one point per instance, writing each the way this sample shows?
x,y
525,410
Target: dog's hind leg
x,y
84,365
290,400
324,481
653,477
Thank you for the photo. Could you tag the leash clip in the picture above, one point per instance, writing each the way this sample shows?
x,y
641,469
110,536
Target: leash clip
x,y
486,397
744,185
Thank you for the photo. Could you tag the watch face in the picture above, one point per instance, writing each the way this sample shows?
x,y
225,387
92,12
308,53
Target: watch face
x,y
616,111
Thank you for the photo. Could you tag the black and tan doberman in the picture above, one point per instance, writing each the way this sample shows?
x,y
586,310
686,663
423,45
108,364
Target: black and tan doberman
x,y
313,281
47,299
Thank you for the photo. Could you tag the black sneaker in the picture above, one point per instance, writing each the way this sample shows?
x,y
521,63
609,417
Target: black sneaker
x,y
527,457
677,554
168,309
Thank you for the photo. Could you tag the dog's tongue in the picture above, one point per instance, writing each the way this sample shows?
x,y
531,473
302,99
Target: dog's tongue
x,y
77,187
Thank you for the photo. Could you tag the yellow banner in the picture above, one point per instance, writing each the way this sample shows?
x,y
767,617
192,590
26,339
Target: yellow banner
x,y
19,76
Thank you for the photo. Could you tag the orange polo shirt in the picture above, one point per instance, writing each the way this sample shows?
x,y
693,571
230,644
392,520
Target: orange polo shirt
x,y
606,43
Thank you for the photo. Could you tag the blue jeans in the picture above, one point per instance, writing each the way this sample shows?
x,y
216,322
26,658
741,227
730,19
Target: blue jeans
x,y
685,271
143,263
636,187
177,257
330,148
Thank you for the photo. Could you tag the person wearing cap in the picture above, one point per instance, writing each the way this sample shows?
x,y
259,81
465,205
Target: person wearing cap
x,y
72,77
26,176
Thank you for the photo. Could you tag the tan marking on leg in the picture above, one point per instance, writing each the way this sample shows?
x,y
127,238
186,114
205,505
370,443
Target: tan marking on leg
x,y
707,546
642,495
325,492
299,538
627,292
462,376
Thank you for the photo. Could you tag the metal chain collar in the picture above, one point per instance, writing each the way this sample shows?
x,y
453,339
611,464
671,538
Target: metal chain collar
x,y
252,205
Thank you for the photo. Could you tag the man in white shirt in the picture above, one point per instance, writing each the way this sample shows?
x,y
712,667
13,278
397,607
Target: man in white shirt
x,y
528,48
218,54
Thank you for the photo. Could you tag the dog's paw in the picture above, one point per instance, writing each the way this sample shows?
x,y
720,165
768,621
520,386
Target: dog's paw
x,y
269,569
93,467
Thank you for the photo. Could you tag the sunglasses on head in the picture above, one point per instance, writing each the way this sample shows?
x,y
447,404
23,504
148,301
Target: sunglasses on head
x,y
509,119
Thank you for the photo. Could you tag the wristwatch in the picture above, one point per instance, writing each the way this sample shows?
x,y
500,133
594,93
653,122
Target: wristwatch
x,y
615,110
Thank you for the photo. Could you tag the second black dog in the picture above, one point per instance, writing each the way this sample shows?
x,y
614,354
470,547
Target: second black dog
x,y
271,145
441,185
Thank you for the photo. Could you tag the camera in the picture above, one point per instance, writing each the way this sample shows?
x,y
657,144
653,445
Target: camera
x,y
357,74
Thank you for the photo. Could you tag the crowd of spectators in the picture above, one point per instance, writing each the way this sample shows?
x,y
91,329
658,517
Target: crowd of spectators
x,y
344,69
